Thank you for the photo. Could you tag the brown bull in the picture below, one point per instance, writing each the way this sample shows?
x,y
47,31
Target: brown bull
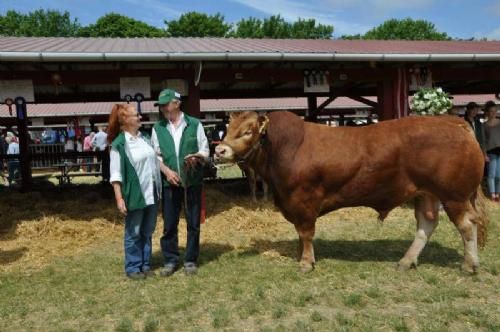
x,y
314,169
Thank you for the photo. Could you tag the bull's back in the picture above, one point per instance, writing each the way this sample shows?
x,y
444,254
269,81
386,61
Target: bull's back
x,y
435,154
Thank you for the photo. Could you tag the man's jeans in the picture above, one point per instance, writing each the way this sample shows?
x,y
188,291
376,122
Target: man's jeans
x,y
173,199
139,227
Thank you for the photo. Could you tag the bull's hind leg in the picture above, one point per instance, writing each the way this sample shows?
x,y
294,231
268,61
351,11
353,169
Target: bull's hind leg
x,y
427,215
306,234
461,214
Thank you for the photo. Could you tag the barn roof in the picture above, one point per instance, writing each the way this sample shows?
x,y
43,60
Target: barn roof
x,y
155,49
217,105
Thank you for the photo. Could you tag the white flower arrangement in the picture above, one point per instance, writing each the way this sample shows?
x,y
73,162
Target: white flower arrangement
x,y
430,101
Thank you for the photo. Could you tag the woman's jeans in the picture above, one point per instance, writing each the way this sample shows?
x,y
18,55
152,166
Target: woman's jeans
x,y
139,227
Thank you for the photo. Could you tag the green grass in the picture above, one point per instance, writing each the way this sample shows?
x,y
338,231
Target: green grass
x,y
248,276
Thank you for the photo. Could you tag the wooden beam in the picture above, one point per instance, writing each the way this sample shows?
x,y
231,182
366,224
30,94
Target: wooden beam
x,y
193,100
364,101
326,103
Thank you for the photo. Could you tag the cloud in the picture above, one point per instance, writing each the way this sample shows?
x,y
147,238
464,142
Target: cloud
x,y
492,35
291,10
155,7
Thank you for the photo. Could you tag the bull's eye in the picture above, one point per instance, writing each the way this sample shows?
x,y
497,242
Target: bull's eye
x,y
248,133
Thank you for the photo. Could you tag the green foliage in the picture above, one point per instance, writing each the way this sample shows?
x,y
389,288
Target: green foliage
x,y
194,24
118,26
406,29
276,27
39,23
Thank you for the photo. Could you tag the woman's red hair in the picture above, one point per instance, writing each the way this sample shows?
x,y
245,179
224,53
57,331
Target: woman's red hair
x,y
116,119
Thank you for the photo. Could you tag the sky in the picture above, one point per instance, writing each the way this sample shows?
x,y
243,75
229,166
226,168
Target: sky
x,y
458,18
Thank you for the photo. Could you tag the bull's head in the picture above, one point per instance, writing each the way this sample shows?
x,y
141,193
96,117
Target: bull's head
x,y
243,136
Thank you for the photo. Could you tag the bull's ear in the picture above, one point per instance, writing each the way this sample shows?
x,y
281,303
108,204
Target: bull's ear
x,y
233,115
263,122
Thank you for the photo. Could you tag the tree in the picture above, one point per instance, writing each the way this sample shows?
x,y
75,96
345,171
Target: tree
x,y
308,29
249,28
39,23
276,27
116,26
195,24
406,29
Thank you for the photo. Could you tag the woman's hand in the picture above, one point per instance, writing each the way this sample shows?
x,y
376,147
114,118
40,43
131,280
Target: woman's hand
x,y
120,204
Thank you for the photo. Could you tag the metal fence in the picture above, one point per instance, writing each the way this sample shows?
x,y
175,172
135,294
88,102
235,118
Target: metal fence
x,y
53,153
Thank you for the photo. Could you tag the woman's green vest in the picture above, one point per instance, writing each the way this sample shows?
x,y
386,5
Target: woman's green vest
x,y
131,187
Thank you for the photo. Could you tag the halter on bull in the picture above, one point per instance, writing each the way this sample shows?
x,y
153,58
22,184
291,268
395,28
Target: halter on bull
x,y
313,169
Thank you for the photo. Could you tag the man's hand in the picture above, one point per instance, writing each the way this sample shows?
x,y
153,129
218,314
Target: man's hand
x,y
120,204
193,160
172,177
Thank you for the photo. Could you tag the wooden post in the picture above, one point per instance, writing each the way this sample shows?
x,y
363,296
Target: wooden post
x,y
393,94
312,109
24,152
386,96
193,100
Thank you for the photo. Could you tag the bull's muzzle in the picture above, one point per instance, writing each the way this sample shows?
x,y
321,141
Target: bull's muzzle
x,y
223,153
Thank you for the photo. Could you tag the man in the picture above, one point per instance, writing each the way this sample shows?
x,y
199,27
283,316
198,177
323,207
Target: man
x,y
100,140
100,143
471,111
182,147
12,164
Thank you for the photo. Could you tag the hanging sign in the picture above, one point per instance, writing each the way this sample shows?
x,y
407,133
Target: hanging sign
x,y
134,85
17,88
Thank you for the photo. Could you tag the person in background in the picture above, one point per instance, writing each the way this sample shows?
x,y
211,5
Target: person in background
x,y
136,180
49,136
492,146
180,142
472,118
100,143
79,148
87,147
12,164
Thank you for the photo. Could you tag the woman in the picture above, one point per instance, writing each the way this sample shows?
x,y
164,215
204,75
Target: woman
x,y
492,144
87,147
136,180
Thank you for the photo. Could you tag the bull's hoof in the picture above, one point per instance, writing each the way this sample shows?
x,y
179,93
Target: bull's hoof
x,y
470,268
405,265
306,268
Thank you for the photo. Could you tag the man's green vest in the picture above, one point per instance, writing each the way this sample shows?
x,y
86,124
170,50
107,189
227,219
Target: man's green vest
x,y
131,187
188,145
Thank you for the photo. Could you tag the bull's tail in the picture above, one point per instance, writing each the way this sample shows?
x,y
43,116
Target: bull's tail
x,y
479,203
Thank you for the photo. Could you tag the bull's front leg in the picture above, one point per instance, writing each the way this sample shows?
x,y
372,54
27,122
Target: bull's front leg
x,y
306,235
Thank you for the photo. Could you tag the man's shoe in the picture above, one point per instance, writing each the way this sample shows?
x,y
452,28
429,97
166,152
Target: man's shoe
x,y
190,268
136,276
149,273
168,270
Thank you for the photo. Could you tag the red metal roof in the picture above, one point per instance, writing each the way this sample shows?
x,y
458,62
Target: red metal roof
x,y
214,105
232,45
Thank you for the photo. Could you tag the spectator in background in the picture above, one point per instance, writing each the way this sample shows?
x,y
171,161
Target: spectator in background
x,y
87,147
49,136
79,148
492,143
100,142
12,164
472,118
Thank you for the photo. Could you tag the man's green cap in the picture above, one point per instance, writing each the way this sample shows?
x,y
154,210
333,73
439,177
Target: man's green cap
x,y
166,96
